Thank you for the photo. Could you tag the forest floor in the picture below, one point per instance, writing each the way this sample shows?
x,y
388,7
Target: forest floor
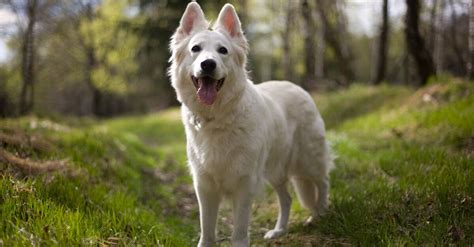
x,y
404,175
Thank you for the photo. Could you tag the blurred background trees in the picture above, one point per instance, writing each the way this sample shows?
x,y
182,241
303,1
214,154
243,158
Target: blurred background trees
x,y
380,62
109,57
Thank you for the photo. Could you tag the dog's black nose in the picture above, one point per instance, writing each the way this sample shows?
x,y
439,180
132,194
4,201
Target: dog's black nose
x,y
208,65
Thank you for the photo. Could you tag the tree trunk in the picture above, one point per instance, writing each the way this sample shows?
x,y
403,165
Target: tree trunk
x,y
433,23
406,66
342,56
243,14
416,44
381,59
286,59
309,44
471,42
438,49
28,59
320,48
5,106
454,39
341,27
91,65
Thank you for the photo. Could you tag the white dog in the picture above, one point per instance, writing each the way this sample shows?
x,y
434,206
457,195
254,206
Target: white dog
x,y
240,134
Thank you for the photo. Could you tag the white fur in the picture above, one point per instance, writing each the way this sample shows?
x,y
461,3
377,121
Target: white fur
x,y
251,134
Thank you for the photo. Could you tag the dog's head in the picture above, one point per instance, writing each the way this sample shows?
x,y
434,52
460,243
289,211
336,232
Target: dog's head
x,y
208,65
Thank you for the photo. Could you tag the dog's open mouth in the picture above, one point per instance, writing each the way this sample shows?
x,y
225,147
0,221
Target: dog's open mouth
x,y
207,88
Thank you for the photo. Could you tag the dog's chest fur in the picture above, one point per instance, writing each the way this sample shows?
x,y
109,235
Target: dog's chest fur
x,y
225,150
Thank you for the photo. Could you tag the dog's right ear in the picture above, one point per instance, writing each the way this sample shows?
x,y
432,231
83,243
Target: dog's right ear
x,y
229,21
193,20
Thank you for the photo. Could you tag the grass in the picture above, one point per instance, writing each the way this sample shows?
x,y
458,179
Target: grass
x,y
404,176
114,191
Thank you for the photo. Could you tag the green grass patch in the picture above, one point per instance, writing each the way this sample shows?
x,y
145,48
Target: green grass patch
x,y
119,187
404,176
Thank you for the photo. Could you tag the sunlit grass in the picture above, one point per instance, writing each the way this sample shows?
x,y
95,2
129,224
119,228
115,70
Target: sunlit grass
x,y
114,197
404,176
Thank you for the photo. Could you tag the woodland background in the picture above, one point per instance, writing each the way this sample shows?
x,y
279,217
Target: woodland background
x,y
104,58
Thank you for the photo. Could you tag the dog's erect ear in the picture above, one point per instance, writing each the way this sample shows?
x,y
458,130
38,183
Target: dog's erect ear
x,y
193,19
229,21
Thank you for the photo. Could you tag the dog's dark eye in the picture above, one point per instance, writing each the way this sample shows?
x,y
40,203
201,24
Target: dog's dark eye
x,y
222,50
196,48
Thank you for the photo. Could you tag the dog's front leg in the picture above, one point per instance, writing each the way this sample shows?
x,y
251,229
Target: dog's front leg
x,y
242,204
209,199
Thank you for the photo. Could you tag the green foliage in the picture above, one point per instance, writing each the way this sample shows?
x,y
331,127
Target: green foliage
x,y
115,47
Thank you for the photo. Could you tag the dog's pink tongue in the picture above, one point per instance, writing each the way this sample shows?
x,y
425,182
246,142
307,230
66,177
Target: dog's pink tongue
x,y
207,91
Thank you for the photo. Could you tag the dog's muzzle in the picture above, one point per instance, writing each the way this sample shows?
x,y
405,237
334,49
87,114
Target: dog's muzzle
x,y
207,88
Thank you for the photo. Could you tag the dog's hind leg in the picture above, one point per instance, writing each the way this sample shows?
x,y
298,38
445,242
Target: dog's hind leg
x,y
285,204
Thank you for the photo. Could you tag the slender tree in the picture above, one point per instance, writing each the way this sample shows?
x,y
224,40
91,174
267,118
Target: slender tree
x,y
458,50
381,58
286,36
341,32
91,61
332,38
320,47
5,101
416,43
243,13
28,56
438,46
471,42
309,44
433,22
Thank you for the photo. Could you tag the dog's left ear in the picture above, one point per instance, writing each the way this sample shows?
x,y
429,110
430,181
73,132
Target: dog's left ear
x,y
229,21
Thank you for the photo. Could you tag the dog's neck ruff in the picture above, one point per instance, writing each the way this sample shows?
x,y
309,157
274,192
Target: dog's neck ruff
x,y
197,122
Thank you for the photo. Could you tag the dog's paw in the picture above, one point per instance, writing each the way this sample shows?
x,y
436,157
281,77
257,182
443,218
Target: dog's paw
x,y
275,233
310,221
